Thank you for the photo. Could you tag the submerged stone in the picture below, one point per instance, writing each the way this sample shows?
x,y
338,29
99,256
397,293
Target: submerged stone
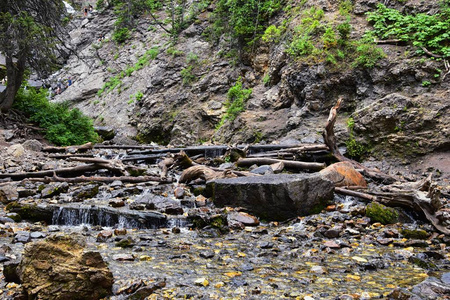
x,y
274,197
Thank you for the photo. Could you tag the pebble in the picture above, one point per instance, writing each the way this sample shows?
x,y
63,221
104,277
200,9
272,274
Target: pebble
x,y
123,257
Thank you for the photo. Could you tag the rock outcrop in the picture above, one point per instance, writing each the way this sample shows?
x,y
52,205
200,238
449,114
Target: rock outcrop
x,y
60,268
274,197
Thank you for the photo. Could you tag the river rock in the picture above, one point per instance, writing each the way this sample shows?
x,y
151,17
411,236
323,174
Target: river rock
x,y
33,145
16,150
274,197
8,193
243,218
60,268
343,174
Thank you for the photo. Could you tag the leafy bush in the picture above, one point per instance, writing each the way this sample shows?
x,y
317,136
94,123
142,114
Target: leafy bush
x,y
63,126
368,54
329,38
422,30
354,149
187,75
235,104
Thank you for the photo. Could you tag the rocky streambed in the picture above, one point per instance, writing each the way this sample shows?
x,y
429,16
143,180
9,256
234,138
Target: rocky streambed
x,y
166,241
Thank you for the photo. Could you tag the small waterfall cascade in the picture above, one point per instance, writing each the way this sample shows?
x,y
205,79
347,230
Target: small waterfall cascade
x,y
105,216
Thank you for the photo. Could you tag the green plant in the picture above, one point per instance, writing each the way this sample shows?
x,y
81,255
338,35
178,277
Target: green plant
x,y
368,54
345,7
266,79
120,35
329,38
174,52
187,75
191,57
272,34
425,31
63,126
354,148
426,83
235,104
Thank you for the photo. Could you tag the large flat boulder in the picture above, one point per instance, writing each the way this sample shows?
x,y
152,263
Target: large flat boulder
x,y
60,268
274,197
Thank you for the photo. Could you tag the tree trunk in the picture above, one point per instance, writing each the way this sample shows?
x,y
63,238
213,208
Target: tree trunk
x,y
14,73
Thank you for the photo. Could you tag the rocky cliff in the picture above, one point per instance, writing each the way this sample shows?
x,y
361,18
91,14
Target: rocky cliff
x,y
152,89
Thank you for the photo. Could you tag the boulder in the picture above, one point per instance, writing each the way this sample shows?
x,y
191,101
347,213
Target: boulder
x,y
343,174
274,197
32,145
8,193
60,268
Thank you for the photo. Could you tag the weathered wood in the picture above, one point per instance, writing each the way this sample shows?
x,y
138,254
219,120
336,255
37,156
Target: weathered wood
x,y
349,192
80,179
98,146
73,171
64,156
164,165
330,141
298,165
203,172
70,149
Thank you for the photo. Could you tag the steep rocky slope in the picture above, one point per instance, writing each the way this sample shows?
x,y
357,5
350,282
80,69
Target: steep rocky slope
x,y
399,107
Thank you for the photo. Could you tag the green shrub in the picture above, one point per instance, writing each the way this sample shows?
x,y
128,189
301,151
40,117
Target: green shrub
x,y
235,104
301,45
329,38
379,213
187,75
63,126
430,31
368,54
355,150
120,35
272,34
191,57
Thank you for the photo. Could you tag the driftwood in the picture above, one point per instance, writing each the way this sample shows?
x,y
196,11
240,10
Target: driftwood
x,y
330,141
64,156
80,179
298,165
74,171
205,173
68,149
123,147
422,196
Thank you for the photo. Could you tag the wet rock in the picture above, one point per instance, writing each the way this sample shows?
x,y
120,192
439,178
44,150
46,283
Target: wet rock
x,y
37,235
116,203
179,193
85,192
146,291
343,174
333,232
207,254
414,234
431,288
59,268
126,243
266,245
244,218
120,231
174,210
33,145
22,237
274,197
10,271
201,201
14,216
318,270
104,235
124,257
4,220
54,189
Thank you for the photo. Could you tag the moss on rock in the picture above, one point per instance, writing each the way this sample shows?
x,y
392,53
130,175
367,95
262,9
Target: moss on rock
x,y
379,213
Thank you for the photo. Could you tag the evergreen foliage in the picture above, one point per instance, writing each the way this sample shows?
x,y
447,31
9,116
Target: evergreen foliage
x,y
235,104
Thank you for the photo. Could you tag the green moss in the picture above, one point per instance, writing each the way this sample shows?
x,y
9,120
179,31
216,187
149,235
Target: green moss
x,y
419,234
379,213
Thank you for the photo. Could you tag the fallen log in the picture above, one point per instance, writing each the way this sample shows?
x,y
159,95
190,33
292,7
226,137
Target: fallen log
x,y
298,165
78,170
82,178
204,173
64,156
68,149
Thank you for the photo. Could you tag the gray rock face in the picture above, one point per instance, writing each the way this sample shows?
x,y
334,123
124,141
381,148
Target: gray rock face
x,y
274,197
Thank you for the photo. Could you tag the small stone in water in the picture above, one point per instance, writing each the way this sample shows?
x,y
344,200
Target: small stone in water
x,y
123,257
176,230
266,245
202,282
179,192
318,270
37,235
104,235
207,254
121,231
